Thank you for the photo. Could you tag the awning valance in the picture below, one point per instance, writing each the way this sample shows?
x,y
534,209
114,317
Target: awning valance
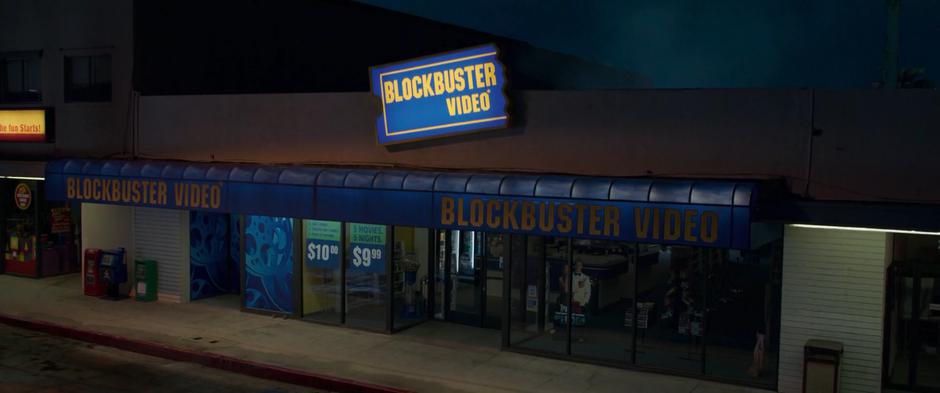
x,y
694,212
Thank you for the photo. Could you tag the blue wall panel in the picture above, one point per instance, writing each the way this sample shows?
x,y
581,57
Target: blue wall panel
x,y
209,254
269,263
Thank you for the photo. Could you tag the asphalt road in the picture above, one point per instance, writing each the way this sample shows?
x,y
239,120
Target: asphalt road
x,y
36,362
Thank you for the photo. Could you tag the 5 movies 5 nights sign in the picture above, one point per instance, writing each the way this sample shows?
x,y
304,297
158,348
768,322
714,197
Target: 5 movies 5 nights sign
x,y
440,95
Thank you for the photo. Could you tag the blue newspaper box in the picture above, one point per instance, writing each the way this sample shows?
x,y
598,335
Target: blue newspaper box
x,y
113,272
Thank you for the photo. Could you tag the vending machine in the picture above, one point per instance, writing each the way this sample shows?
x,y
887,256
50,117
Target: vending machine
x,y
113,273
93,284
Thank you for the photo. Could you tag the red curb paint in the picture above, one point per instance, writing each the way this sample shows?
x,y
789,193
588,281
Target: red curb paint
x,y
221,362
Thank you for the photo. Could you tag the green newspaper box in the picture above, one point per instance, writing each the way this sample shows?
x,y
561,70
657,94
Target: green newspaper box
x,y
145,279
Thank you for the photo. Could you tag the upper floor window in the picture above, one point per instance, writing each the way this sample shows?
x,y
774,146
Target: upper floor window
x,y
21,73
88,78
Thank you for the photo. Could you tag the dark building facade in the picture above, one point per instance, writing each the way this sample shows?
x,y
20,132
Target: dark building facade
x,y
706,233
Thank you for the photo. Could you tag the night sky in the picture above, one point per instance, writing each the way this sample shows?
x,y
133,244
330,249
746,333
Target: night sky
x,y
693,43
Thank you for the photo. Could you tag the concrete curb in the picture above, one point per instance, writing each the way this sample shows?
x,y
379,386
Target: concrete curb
x,y
222,362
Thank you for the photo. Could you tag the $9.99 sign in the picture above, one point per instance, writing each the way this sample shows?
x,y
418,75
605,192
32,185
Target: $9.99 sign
x,y
367,248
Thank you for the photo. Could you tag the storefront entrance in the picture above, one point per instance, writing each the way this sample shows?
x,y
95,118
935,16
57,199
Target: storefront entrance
x,y
469,277
912,312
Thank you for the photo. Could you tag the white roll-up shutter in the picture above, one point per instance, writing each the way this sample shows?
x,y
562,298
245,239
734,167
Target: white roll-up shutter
x,y
163,235
833,289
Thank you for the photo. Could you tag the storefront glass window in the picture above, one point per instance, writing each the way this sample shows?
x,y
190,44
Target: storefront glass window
x,y
742,301
670,289
322,271
538,307
367,288
38,238
269,263
602,285
913,313
495,259
410,263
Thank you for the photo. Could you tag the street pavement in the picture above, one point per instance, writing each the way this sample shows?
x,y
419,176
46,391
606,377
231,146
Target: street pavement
x,y
431,357
33,362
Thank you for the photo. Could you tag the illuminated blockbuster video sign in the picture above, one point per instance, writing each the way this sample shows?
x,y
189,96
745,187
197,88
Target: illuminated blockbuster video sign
x,y
440,95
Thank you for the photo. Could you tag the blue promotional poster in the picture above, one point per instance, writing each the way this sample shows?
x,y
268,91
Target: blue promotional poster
x,y
269,263
440,95
367,248
210,270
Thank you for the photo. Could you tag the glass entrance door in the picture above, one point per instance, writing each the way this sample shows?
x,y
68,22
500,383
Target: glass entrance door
x,y
913,314
465,277
468,283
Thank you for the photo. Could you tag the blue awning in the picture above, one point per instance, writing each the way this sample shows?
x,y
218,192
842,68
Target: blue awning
x,y
388,196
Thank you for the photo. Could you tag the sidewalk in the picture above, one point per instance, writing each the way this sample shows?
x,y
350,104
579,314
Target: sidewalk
x,y
432,357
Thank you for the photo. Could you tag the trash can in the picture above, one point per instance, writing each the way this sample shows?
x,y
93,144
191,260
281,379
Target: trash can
x,y
822,360
145,279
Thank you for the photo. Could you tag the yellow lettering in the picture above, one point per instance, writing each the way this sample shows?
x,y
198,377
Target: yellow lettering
x,y
204,198
116,190
426,87
70,192
581,208
406,89
690,226
528,216
125,191
655,223
135,191
461,221
162,193
469,71
447,211
451,105
105,189
564,218
476,213
595,219
151,192
458,80
193,195
671,224
492,214
611,221
509,215
86,189
490,70
546,216
709,231
641,223
438,83
179,195
485,101
96,189
418,92
449,81
478,75
389,89
216,197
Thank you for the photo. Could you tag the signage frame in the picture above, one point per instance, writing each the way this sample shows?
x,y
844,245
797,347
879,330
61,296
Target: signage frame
x,y
27,196
501,122
49,134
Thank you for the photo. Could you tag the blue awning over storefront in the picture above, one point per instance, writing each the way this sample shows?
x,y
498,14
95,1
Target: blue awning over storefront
x,y
712,213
